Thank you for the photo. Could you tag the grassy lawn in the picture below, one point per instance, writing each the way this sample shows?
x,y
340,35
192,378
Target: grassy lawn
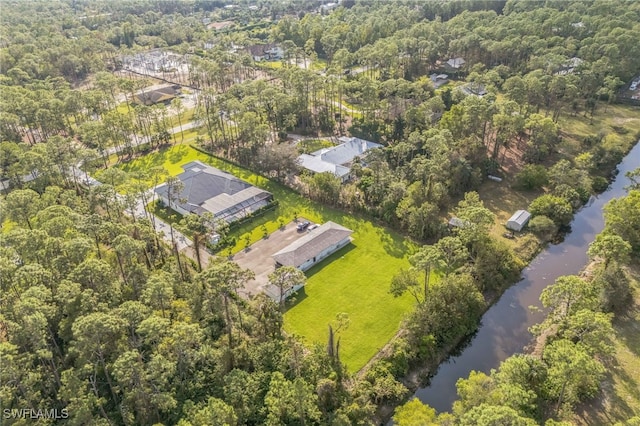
x,y
620,396
311,145
274,65
355,280
186,116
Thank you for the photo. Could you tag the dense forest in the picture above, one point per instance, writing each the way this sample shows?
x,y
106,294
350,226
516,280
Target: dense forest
x,y
103,318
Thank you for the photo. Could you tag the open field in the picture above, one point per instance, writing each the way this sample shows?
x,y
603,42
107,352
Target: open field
x,y
354,280
504,201
576,128
620,396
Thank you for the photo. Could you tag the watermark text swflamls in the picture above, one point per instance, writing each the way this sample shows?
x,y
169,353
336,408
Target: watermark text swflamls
x,y
31,413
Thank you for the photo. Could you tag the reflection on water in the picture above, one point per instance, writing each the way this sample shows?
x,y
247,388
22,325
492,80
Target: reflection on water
x,y
505,327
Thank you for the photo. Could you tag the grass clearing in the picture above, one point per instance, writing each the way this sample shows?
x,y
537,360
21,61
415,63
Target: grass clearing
x,y
620,396
274,65
504,201
186,116
311,145
576,128
354,280
319,64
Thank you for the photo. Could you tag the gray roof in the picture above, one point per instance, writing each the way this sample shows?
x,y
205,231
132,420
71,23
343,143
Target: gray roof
x,y
474,89
155,94
312,244
209,189
520,217
458,223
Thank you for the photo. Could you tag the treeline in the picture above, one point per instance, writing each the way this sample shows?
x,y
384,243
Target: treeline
x,y
100,318
441,143
573,347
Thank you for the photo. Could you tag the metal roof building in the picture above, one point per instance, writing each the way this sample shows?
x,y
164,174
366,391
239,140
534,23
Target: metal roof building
x,y
518,220
337,159
314,247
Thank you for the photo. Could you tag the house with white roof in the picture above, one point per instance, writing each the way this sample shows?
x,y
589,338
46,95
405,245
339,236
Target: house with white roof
x,y
454,64
337,159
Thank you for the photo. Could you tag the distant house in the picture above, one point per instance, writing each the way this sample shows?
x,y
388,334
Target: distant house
x,y
157,94
207,189
337,159
265,52
317,245
438,79
518,220
570,66
328,7
455,64
474,89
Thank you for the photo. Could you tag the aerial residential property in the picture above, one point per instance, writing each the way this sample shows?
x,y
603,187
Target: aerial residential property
x,y
207,189
319,212
337,159
153,95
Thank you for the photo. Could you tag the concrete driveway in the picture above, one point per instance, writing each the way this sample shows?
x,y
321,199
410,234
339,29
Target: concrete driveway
x,y
258,257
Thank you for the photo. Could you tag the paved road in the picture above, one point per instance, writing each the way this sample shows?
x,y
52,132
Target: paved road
x,y
160,226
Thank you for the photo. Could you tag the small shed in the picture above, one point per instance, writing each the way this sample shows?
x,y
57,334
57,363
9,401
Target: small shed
x,y
518,220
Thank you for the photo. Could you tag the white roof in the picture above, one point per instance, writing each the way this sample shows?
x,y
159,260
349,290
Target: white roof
x,y
318,165
335,159
456,62
520,217
346,151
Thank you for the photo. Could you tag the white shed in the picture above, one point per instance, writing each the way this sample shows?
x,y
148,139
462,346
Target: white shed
x,y
518,220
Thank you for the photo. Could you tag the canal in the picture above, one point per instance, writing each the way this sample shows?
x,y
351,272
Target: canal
x,y
504,327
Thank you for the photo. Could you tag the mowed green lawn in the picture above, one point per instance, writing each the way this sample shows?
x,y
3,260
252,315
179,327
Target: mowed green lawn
x,y
354,280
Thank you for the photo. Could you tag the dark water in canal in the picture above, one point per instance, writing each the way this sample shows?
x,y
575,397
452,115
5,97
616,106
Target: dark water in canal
x,y
504,328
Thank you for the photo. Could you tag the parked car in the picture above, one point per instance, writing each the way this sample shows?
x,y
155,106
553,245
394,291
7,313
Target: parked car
x,y
312,227
303,225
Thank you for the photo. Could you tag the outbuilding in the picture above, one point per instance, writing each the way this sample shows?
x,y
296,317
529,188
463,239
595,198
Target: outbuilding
x,y
518,220
317,245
